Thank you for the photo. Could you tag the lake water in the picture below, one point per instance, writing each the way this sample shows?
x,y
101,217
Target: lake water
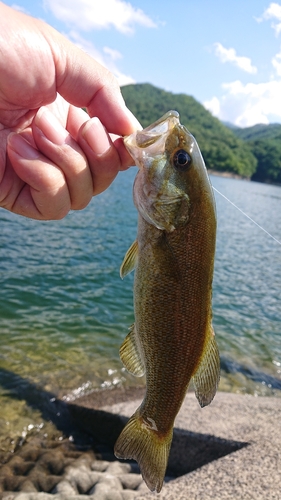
x,y
64,309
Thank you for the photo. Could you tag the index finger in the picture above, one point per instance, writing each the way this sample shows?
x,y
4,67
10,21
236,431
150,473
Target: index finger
x,y
84,82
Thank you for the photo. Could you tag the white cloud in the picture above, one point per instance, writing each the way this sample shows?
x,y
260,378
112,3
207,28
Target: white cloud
x,y
107,58
121,77
87,15
19,8
248,104
114,54
276,62
213,105
229,55
273,12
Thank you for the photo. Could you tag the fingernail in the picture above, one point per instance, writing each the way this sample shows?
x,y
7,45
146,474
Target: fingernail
x,y
96,136
50,126
22,148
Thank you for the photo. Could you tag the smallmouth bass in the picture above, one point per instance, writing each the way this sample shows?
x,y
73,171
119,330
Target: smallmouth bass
x,y
172,340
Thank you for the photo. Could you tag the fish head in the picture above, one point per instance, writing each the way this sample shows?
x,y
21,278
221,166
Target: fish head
x,y
171,173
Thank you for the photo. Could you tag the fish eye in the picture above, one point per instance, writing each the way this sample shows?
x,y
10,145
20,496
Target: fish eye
x,y
182,160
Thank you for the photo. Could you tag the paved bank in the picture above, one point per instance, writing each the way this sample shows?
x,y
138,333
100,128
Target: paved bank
x,y
229,450
235,443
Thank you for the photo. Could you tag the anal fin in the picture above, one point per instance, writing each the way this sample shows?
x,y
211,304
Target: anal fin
x,y
130,354
206,378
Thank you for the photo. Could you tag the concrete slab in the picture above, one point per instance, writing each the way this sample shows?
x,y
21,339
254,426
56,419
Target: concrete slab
x,y
235,448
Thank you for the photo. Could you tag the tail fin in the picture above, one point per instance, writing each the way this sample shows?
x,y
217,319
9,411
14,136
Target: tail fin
x,y
141,441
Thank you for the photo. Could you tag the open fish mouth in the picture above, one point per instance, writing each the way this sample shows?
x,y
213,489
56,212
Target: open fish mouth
x,y
153,134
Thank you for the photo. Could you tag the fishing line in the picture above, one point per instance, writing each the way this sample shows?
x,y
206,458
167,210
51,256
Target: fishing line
x,y
246,215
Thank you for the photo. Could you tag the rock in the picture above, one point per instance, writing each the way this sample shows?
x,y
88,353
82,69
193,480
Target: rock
x,y
130,481
8,496
99,465
27,486
117,468
47,483
30,452
52,461
83,479
129,494
19,466
34,496
12,483
143,487
65,488
86,460
111,481
102,491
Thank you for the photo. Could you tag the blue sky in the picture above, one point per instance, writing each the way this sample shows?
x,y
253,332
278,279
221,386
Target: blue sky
x,y
226,54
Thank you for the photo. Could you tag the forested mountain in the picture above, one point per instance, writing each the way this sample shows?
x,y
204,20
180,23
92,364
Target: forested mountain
x,y
265,143
259,131
268,154
253,152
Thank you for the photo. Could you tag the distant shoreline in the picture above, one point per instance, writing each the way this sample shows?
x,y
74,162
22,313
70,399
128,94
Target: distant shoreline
x,y
229,175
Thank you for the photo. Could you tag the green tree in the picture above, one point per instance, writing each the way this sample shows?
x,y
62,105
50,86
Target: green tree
x,y
268,155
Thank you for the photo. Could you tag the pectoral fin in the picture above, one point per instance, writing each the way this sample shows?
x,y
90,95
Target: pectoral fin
x,y
206,378
130,260
130,354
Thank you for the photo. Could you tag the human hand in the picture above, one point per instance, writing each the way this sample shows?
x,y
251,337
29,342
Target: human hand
x,y
53,157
